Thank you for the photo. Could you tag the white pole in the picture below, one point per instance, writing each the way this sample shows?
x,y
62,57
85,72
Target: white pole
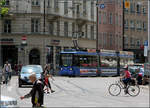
x,y
148,24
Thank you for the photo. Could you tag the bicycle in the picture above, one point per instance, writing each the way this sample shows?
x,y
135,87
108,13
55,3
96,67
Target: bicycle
x,y
132,88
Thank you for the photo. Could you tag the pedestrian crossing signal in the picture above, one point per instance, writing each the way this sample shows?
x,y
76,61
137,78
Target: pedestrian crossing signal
x,y
127,4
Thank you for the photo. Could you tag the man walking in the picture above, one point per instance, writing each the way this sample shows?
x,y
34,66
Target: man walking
x,y
37,93
7,72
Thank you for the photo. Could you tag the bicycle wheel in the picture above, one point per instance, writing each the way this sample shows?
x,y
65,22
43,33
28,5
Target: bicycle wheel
x,y
114,89
133,90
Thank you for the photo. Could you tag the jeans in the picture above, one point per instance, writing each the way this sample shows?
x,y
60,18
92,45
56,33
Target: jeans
x,y
6,77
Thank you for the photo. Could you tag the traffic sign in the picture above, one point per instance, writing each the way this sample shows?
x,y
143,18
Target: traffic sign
x,y
24,37
102,6
127,4
146,43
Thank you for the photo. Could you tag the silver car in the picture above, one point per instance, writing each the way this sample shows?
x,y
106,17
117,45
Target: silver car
x,y
26,71
8,102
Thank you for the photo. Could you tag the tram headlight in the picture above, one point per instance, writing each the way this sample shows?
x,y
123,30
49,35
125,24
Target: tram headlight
x,y
70,69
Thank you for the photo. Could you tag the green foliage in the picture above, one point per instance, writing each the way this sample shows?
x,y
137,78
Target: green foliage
x,y
2,3
3,10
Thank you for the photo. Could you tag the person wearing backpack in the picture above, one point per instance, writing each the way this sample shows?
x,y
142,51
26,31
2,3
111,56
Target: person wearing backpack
x,y
7,72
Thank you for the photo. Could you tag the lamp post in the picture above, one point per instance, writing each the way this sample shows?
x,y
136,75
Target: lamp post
x,y
44,19
97,50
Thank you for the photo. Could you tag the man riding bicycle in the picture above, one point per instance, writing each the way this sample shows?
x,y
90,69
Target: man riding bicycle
x,y
126,78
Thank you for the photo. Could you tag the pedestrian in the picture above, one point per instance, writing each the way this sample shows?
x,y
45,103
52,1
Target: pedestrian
x,y
47,75
36,93
7,72
16,69
19,66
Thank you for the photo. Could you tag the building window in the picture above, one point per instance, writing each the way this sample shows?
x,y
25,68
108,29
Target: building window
x,y
126,41
139,25
105,38
132,9
7,26
86,31
138,43
58,28
73,6
92,32
65,7
56,5
73,29
111,40
138,8
51,28
92,10
116,19
66,29
110,18
35,3
144,10
126,24
84,7
35,24
104,18
132,24
99,17
144,26
120,20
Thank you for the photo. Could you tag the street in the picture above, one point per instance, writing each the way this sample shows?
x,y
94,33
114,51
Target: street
x,y
79,92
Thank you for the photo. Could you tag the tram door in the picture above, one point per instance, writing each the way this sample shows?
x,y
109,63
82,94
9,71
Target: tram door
x,y
10,54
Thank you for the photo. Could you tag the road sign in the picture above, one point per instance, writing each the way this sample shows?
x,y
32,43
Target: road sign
x,y
127,4
102,6
146,43
24,37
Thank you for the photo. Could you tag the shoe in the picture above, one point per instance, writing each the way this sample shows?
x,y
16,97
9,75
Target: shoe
x,y
52,91
48,92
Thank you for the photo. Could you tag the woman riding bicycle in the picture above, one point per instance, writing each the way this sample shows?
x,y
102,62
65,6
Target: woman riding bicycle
x,y
126,78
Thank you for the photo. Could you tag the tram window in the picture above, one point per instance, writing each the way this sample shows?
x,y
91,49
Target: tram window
x,y
85,61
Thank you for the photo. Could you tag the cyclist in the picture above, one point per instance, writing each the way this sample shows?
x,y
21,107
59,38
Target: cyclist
x,y
126,78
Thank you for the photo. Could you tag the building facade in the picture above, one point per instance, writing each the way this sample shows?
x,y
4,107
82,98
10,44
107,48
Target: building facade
x,y
110,25
136,28
48,26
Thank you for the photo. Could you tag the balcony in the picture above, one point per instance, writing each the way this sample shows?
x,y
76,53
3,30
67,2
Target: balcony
x,y
81,18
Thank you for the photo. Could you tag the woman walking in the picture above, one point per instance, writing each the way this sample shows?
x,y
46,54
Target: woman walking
x,y
47,75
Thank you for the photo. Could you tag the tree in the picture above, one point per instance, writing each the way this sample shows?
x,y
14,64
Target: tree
x,y
3,10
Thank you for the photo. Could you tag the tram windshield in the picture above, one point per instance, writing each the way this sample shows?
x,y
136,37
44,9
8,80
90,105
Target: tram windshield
x,y
66,59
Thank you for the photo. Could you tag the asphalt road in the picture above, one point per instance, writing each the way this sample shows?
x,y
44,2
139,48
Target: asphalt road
x,y
79,92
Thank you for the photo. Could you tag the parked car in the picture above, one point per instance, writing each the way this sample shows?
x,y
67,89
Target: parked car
x,y
8,102
135,69
26,71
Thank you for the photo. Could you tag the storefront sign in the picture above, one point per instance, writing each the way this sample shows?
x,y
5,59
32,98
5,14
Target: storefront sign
x,y
55,42
6,41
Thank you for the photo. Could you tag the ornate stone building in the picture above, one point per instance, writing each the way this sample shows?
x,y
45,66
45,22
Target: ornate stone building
x,y
49,27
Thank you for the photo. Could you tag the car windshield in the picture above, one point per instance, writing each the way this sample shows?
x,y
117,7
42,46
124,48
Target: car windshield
x,y
31,69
